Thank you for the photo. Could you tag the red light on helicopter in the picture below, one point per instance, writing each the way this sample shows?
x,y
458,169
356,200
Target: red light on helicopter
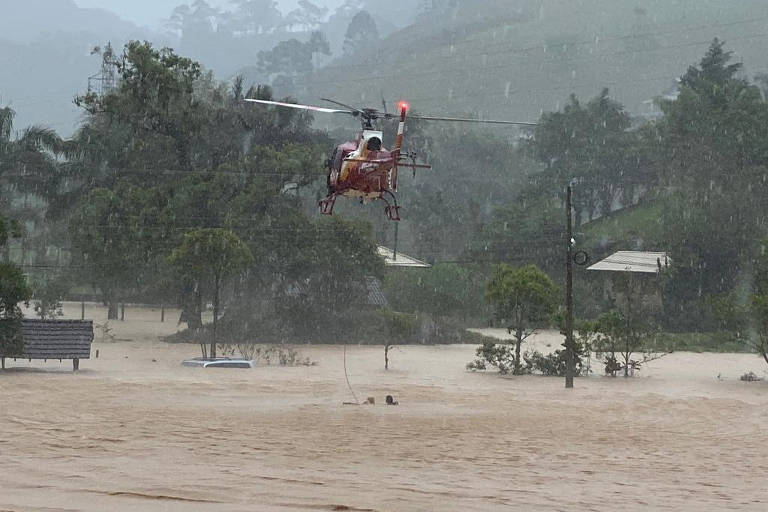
x,y
403,105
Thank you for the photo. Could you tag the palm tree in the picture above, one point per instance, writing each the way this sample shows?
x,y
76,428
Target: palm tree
x,y
27,161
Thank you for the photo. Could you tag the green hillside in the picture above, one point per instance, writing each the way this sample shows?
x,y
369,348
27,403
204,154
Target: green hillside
x,y
637,227
518,58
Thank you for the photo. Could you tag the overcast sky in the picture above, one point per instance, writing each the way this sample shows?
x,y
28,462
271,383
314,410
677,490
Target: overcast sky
x,y
152,12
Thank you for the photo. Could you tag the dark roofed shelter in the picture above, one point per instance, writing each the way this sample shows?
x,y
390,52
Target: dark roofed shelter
x,y
55,339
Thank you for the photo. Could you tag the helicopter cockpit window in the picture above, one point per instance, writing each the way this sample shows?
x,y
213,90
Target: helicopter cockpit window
x,y
374,144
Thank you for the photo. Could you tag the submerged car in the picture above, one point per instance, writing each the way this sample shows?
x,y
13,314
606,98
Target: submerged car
x,y
219,362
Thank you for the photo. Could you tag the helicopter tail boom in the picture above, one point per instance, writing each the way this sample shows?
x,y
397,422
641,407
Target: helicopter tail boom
x,y
399,142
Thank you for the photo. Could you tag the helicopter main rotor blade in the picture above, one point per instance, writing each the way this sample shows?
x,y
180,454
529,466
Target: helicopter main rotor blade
x,y
302,107
463,120
359,111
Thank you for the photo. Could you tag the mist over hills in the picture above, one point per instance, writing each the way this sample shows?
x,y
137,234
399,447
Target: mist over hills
x,y
45,46
518,58
45,51
492,58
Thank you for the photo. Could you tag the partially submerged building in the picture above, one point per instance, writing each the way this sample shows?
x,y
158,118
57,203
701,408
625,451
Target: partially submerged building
x,y
632,275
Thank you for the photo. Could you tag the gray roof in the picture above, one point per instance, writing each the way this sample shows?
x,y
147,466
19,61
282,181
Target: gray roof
x,y
633,261
57,339
400,260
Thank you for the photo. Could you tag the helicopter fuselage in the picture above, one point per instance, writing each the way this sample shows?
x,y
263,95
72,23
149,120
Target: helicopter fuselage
x,y
361,169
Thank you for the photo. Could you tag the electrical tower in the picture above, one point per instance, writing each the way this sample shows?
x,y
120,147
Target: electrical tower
x,y
105,80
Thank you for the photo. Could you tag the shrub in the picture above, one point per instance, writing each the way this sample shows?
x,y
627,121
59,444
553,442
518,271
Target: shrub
x,y
498,355
553,365
48,297
280,355
502,357
750,377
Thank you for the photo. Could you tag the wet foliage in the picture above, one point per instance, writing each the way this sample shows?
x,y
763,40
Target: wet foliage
x,y
171,152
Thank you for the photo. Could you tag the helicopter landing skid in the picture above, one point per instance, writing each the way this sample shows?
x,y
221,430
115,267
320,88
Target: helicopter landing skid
x,y
326,205
392,211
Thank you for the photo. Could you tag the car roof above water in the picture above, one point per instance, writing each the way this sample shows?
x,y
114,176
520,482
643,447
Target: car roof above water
x,y
219,362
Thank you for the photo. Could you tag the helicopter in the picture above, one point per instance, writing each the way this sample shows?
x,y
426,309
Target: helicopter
x,y
364,169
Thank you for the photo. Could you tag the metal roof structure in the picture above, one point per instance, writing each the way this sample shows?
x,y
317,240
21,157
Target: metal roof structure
x,y
400,260
633,261
55,339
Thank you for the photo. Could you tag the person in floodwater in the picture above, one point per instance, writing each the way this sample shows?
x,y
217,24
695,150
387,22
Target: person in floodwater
x,y
390,400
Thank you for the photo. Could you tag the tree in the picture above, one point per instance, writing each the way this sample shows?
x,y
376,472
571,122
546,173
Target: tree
x,y
8,228
154,110
615,338
440,291
48,297
255,16
400,327
710,244
324,268
444,216
630,327
292,58
715,133
593,144
759,311
522,297
361,33
208,257
27,161
528,230
106,231
713,149
307,15
195,20
168,151
13,290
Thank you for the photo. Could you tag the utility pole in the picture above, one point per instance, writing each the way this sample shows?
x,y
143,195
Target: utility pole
x,y
570,355
394,250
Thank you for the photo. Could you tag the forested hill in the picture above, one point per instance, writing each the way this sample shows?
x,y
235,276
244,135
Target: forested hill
x,y
518,58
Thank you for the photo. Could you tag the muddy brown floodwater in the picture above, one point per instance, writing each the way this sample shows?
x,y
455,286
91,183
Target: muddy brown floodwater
x,y
135,431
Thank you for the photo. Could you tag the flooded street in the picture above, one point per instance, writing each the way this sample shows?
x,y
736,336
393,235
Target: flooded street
x,y
136,431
